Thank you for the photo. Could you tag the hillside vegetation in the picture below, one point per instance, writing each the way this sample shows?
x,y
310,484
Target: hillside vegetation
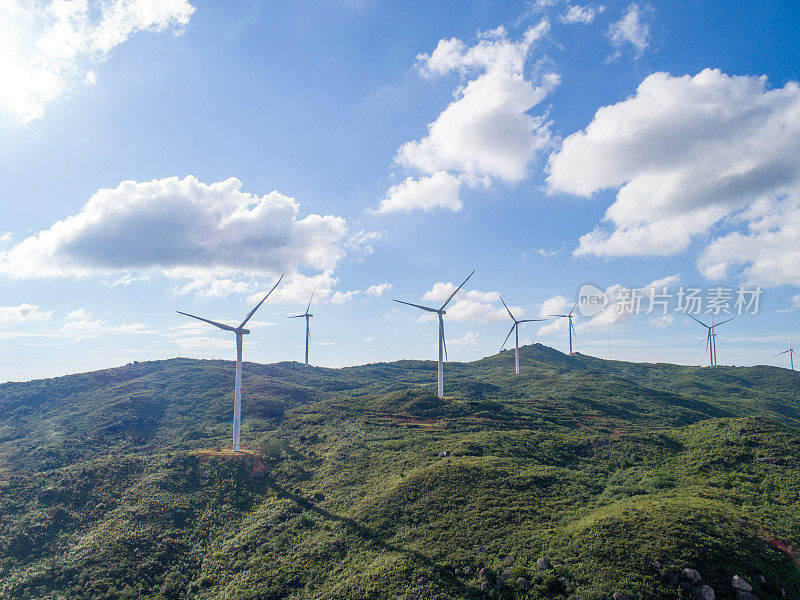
x,y
567,481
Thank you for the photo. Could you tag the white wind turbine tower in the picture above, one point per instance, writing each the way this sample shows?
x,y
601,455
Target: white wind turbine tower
x,y
711,339
569,316
515,329
442,344
307,315
791,352
240,331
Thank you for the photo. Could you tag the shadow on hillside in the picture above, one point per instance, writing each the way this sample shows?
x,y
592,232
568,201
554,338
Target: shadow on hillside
x,y
373,538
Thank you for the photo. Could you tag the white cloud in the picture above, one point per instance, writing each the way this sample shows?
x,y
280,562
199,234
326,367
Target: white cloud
x,y
344,297
486,132
209,287
23,313
581,14
687,153
378,289
468,340
662,321
770,249
362,241
439,190
471,305
181,228
368,340
631,30
81,324
47,48
127,279
613,314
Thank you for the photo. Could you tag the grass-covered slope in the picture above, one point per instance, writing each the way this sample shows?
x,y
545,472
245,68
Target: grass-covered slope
x,y
108,490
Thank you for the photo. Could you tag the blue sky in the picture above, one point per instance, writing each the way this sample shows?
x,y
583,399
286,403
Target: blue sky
x,y
180,155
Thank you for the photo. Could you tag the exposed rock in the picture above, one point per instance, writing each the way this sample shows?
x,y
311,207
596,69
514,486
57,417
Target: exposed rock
x,y
422,580
758,578
508,560
703,592
523,583
656,565
444,453
742,595
738,583
543,564
485,587
692,575
482,572
782,593
620,596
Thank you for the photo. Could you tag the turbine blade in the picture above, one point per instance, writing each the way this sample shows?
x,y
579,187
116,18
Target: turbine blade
x,y
699,321
557,315
295,316
252,312
508,310
508,336
458,288
214,323
429,309
573,307
310,299
784,352
725,321
530,320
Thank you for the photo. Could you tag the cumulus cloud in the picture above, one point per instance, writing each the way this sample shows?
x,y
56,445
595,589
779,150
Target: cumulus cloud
x,y
685,154
581,14
181,228
631,30
616,311
81,323
378,289
362,241
486,132
468,340
470,305
768,251
23,313
440,190
662,321
47,48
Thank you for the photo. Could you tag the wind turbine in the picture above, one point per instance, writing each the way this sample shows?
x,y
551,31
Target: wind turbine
x,y
569,316
239,331
442,344
515,329
711,339
791,352
307,315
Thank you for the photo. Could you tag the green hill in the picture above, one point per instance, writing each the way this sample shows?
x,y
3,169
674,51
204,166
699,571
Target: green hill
x,y
568,481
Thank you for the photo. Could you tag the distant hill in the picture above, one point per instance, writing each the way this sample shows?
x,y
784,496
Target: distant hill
x,y
567,481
